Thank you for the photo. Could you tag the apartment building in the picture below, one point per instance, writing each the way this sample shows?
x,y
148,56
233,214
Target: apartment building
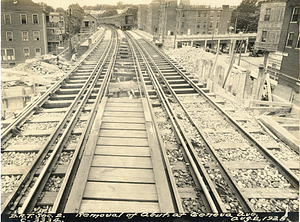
x,y
55,29
278,34
23,31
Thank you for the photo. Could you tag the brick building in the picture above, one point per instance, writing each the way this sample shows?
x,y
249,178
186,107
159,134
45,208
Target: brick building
x,y
167,18
55,29
278,33
23,31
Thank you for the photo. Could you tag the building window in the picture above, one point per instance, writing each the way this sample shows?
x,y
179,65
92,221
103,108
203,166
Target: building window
x,y
267,15
289,41
35,19
23,19
198,25
86,23
26,52
7,54
197,33
37,51
182,24
218,14
211,14
7,19
217,25
295,14
199,14
25,36
204,25
36,35
264,36
210,24
183,14
9,36
298,42
203,32
205,14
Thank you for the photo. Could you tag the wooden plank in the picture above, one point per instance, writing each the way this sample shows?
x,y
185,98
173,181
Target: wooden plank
x,y
285,120
127,114
22,148
121,175
122,161
124,109
42,120
123,133
123,126
120,104
291,164
225,145
106,141
187,192
245,164
282,193
122,151
120,191
123,119
96,206
37,132
48,199
281,133
13,170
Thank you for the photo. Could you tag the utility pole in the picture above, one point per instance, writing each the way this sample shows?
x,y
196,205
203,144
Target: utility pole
x,y
70,43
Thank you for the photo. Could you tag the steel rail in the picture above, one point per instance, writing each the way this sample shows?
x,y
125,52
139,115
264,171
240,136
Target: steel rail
x,y
176,197
35,191
181,136
245,202
67,182
293,179
38,101
29,174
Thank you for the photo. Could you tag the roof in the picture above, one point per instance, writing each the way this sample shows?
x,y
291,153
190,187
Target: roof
x,y
20,5
91,16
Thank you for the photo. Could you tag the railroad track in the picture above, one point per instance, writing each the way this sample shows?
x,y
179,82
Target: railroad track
x,y
246,168
48,135
128,130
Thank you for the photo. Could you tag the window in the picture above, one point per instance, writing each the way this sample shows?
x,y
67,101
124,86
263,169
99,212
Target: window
x,y
9,36
205,14
25,36
289,41
264,36
298,42
36,35
26,52
7,19
203,32
183,14
199,14
295,14
86,23
267,15
37,51
204,25
218,14
198,25
7,54
210,24
212,14
35,19
23,19
217,25
182,24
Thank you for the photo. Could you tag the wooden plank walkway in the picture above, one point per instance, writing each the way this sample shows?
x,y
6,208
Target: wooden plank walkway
x,y
119,171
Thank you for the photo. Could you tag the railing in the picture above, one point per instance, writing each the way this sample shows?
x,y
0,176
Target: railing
x,y
54,37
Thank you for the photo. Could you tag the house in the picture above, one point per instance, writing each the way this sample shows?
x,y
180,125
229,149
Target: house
x,y
278,34
55,29
23,31
89,24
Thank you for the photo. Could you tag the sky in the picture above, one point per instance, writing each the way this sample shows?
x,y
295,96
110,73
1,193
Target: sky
x,y
65,3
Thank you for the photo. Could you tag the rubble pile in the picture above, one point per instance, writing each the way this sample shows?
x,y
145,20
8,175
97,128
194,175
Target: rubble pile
x,y
187,57
48,66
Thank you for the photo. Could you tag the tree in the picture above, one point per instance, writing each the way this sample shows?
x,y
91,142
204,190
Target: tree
x,y
120,5
246,16
110,13
75,16
46,7
60,10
